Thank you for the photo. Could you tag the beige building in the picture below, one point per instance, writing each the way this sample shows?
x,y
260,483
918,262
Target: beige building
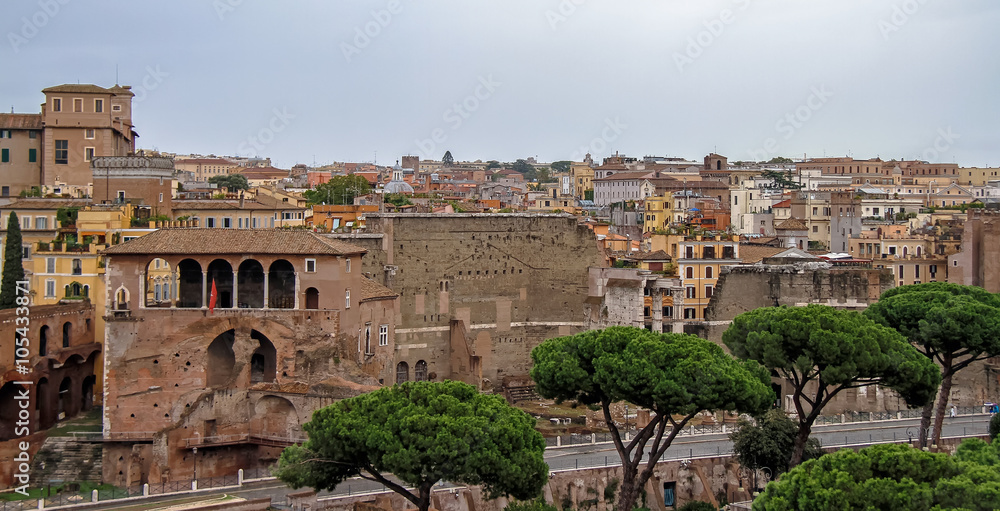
x,y
20,152
81,122
264,213
204,169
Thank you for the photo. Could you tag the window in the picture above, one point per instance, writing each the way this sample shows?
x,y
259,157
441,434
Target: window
x,y
708,291
689,313
41,222
383,335
25,252
32,134
227,223
210,222
62,152
57,104
368,339
98,105
88,154
668,312
88,134
347,266
26,222
708,272
6,134
347,299
157,290
310,265
32,155
5,155
50,265
77,266
50,288
77,104
689,272
690,292
116,108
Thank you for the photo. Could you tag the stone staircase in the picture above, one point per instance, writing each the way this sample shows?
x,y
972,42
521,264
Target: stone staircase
x,y
526,393
66,459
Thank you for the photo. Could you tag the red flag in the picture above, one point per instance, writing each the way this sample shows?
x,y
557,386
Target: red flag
x,y
213,297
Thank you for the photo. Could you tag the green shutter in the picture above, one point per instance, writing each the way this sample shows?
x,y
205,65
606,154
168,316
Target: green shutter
x,y
5,156
32,155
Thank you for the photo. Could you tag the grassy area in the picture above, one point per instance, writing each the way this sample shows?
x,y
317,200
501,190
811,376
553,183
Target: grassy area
x,y
88,422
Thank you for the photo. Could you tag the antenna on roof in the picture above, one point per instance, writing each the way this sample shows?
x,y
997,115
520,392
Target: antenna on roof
x,y
116,74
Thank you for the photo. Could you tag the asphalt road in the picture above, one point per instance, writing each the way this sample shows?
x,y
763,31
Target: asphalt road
x,y
598,455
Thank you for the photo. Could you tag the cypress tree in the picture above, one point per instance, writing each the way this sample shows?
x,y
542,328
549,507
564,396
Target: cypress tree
x,y
13,271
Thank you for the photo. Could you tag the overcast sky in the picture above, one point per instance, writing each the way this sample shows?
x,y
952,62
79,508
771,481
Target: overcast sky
x,y
304,81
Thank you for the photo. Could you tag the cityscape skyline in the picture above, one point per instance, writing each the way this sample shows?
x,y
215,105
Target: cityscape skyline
x,y
319,83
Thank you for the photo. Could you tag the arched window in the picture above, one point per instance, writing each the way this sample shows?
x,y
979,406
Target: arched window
x,y
221,273
312,298
402,372
281,285
250,285
189,284
420,371
67,326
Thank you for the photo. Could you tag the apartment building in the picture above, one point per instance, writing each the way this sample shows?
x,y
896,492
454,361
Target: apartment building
x,y
20,152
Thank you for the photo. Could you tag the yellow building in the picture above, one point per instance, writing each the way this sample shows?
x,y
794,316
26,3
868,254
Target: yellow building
x,y
698,266
583,179
659,211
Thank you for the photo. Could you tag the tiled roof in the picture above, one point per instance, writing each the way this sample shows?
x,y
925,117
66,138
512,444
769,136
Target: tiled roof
x,y
230,204
21,121
787,203
371,291
792,224
234,241
42,203
626,175
659,255
213,161
78,88
751,254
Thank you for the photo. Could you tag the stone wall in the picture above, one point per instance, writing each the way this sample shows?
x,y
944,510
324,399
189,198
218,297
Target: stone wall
x,y
479,291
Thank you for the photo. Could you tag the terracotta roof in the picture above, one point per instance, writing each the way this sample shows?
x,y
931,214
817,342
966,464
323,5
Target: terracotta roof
x,y
78,88
372,291
263,173
234,241
21,121
792,224
659,255
119,90
751,254
626,175
787,203
42,203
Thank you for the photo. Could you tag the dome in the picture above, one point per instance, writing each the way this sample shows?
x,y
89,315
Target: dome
x,y
398,187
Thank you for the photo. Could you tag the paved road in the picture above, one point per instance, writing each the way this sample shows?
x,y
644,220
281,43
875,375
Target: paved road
x,y
597,455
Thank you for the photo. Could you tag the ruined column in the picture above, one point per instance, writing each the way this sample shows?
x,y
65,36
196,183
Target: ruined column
x,y
204,289
142,290
296,290
173,289
236,278
657,309
266,279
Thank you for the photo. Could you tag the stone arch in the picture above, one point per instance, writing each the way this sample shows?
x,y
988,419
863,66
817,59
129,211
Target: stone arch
x,y
67,330
420,371
43,341
9,409
158,283
43,404
87,392
221,273
189,285
250,284
281,285
65,405
275,416
121,298
264,361
402,372
312,298
221,361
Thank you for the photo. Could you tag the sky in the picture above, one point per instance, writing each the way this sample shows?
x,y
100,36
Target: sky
x,y
314,82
